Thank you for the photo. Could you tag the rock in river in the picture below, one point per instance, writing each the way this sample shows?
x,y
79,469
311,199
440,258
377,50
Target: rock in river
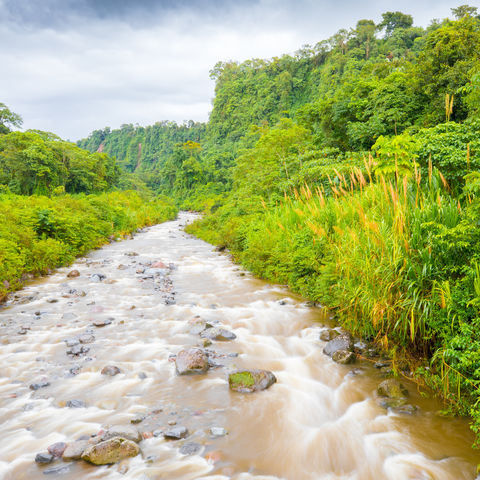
x,y
73,274
219,334
344,357
176,433
328,334
248,381
124,431
191,360
110,370
392,388
110,451
74,450
342,342
57,449
44,458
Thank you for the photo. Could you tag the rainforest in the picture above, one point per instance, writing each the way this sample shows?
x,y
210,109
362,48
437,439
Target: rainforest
x,y
348,171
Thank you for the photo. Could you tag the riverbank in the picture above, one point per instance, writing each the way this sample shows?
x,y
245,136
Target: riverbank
x,y
40,233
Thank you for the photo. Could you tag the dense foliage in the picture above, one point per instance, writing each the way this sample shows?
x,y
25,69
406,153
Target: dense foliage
x,y
35,162
39,233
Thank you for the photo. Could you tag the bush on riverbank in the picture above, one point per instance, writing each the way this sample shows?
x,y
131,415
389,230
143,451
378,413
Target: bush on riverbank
x,y
38,233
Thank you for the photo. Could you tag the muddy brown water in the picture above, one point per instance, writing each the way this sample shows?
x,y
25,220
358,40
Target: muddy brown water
x,y
320,420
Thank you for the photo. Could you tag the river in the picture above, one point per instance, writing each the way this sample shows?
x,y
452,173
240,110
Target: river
x,y
320,420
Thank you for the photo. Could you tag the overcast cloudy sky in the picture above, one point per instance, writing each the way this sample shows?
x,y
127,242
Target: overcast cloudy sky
x,y
72,66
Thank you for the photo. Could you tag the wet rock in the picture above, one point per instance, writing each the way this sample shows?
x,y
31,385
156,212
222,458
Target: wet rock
x,y
74,450
71,342
191,361
131,254
52,300
57,470
98,277
406,409
102,322
176,433
76,404
392,388
138,419
172,422
73,292
344,357
219,334
110,370
44,458
110,451
23,331
328,334
77,350
122,267
393,403
218,432
191,448
37,386
199,326
57,449
380,365
86,338
248,381
73,274
341,342
142,375
124,431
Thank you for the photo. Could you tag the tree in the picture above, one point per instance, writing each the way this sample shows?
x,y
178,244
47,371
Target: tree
x,y
464,11
394,20
8,119
365,33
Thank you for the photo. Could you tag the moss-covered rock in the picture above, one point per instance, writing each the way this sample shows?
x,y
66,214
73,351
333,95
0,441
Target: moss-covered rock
x,y
248,381
110,451
392,388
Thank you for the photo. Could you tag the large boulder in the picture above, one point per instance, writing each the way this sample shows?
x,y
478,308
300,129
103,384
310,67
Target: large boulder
x,y
110,451
248,381
342,342
190,361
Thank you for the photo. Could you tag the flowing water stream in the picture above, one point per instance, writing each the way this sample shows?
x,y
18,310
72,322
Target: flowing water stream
x,y
320,420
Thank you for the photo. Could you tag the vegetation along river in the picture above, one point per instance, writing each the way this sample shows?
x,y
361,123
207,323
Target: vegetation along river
x,y
134,306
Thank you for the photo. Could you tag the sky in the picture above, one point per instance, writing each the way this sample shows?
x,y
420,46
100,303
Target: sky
x,y
73,66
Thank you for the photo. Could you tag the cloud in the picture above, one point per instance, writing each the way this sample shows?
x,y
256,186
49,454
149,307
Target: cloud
x,y
74,66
